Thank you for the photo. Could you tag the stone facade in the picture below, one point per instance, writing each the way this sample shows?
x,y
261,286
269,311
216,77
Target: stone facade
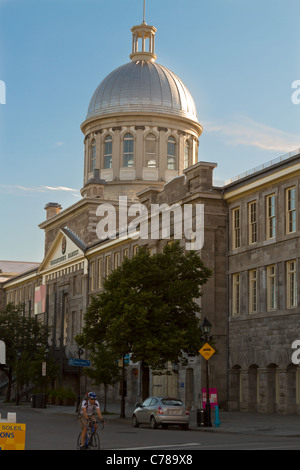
x,y
263,278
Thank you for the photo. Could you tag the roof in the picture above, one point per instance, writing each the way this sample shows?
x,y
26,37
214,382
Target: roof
x,y
142,86
10,269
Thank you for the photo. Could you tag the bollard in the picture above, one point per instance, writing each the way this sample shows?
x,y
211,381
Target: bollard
x,y
217,419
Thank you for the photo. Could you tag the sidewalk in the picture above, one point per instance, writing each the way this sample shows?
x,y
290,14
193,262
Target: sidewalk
x,y
230,421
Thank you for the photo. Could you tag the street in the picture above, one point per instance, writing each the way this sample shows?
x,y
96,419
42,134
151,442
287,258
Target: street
x,y
56,431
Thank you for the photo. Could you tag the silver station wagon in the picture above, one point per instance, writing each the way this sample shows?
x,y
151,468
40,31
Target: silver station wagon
x,y
161,411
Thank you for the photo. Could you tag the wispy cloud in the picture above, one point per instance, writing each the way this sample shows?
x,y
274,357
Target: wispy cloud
x,y
247,132
58,144
17,189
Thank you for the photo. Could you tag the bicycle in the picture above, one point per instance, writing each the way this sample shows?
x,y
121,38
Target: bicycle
x,y
92,439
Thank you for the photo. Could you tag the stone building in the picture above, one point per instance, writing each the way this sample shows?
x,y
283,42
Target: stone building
x,y
263,285
141,146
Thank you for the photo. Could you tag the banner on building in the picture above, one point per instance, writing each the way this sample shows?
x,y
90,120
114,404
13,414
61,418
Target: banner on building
x,y
40,300
213,397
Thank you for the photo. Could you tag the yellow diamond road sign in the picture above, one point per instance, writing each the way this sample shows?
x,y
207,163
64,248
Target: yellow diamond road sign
x,y
207,351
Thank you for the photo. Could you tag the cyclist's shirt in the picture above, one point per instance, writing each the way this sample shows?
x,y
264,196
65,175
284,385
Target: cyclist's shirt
x,y
90,408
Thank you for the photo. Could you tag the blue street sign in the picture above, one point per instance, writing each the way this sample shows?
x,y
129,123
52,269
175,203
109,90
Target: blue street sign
x,y
79,362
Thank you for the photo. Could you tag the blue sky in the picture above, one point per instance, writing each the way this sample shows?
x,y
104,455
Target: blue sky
x,y
238,58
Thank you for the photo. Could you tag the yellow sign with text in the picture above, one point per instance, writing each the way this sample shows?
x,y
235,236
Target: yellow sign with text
x,y
12,436
207,351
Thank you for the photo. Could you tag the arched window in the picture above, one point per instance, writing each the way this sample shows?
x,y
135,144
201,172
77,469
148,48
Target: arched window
x,y
186,154
171,153
128,151
151,151
108,152
93,155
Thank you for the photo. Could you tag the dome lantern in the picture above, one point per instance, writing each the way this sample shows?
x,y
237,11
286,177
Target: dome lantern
x,y
143,33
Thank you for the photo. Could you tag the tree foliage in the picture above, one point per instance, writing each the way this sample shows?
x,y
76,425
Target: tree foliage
x,y
25,340
148,308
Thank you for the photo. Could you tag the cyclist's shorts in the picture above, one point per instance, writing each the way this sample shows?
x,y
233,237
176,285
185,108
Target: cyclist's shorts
x,y
84,422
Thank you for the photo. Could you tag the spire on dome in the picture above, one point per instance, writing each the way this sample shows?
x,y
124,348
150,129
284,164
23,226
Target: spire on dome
x,y
144,33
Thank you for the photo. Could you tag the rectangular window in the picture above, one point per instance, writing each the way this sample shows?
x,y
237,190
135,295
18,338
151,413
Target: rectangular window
x,y
236,294
236,230
125,253
100,274
291,210
291,284
253,291
107,265
271,288
271,216
117,260
93,283
252,215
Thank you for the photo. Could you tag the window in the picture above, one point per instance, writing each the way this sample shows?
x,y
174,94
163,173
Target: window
x,y
151,151
291,284
125,253
108,265
117,259
271,216
253,291
93,155
100,273
236,228
171,154
236,294
271,288
93,283
108,152
291,210
128,151
186,154
252,222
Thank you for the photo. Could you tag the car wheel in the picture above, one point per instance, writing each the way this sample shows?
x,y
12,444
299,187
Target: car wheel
x,y
153,423
135,422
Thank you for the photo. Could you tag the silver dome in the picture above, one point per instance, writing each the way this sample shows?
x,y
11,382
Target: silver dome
x,y
142,86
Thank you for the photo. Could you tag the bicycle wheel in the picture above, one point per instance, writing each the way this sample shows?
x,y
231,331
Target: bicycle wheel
x,y
79,441
94,443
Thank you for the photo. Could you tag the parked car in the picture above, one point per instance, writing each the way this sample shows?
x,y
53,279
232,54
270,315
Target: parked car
x,y
162,411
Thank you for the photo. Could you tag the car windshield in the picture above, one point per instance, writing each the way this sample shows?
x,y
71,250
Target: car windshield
x,y
171,402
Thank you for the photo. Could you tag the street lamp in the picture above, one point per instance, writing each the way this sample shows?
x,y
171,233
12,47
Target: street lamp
x,y
206,327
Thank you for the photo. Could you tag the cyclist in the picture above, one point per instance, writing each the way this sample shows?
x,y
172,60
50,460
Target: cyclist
x,y
89,408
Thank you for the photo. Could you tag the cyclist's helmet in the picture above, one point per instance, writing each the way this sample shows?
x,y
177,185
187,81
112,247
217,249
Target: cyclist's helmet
x,y
92,395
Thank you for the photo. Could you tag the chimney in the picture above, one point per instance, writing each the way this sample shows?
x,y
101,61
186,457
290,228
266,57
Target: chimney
x,y
52,209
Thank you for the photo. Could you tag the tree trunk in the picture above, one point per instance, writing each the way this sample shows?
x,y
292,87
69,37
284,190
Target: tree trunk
x,y
8,390
145,380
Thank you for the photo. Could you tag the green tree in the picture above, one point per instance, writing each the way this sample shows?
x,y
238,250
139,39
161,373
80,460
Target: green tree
x,y
25,340
148,308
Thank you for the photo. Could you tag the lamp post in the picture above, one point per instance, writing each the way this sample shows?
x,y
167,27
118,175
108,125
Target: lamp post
x,y
19,355
206,327
44,372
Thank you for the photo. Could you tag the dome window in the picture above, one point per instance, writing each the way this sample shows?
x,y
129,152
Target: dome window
x,y
128,151
151,151
171,154
108,152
